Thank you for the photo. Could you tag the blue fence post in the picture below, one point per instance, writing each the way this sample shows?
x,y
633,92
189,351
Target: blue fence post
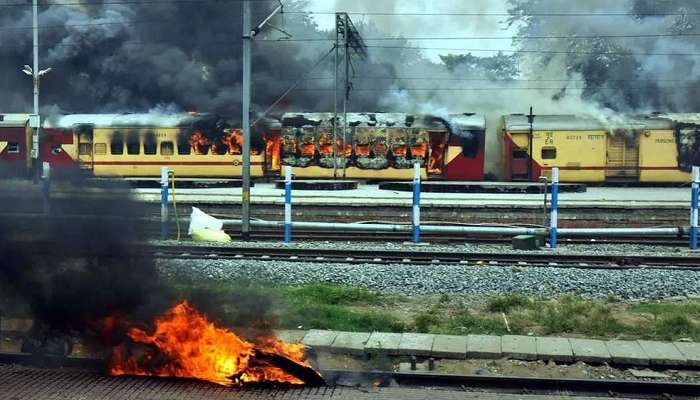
x,y
695,191
287,203
555,206
416,202
164,203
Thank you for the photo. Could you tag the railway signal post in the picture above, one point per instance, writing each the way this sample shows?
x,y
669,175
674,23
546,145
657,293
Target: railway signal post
x,y
416,203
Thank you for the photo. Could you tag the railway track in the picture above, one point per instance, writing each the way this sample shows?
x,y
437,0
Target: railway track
x,y
355,256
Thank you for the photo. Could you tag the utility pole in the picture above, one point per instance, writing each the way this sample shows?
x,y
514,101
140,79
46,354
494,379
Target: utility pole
x,y
335,105
352,42
530,172
245,185
36,74
248,35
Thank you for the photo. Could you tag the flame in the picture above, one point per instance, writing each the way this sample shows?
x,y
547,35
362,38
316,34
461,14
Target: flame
x,y
199,142
273,148
437,154
186,344
362,150
399,151
233,140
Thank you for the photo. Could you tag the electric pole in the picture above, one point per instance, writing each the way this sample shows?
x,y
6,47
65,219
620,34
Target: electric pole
x,y
353,43
245,185
248,35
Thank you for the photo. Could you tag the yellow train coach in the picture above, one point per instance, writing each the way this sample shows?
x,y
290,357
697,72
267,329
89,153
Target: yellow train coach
x,y
653,148
137,145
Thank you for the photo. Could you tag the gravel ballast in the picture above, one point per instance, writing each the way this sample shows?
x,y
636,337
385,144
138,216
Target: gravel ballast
x,y
630,284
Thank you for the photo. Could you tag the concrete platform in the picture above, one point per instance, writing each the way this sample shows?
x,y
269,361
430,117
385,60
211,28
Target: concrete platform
x,y
481,187
290,335
484,346
382,342
590,350
554,348
318,185
319,339
519,347
627,352
691,352
350,343
449,346
416,344
662,353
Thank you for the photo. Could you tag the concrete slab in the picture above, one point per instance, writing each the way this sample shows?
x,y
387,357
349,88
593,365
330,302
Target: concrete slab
x,y
350,343
416,344
691,352
662,353
519,347
290,335
319,339
484,346
450,346
590,351
382,342
627,352
554,348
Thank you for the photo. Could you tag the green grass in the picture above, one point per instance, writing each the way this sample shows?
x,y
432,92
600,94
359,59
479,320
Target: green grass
x,y
330,306
508,302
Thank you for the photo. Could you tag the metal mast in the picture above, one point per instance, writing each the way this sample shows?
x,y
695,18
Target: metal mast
x,y
245,185
248,35
353,44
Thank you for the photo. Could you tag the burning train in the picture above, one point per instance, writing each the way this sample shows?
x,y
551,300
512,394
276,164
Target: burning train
x,y
648,148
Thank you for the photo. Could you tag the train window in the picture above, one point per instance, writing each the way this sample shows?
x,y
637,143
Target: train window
x,y
150,143
166,148
13,147
100,148
519,154
117,144
549,153
85,149
183,146
133,145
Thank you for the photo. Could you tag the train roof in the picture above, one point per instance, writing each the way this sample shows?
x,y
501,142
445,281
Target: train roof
x,y
14,120
519,122
158,120
466,121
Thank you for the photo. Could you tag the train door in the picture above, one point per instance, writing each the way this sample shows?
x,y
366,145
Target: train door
x,y
84,136
622,164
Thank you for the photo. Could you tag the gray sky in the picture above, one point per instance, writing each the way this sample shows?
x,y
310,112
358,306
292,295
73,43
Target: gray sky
x,y
428,26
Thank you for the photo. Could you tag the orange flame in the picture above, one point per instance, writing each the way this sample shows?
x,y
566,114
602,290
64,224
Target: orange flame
x,y
437,154
199,142
273,148
186,344
233,140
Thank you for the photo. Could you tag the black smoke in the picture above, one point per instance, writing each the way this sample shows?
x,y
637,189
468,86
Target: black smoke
x,y
71,270
109,56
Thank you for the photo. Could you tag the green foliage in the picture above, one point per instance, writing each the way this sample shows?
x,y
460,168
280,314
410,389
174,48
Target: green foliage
x,y
499,66
508,302
324,316
324,293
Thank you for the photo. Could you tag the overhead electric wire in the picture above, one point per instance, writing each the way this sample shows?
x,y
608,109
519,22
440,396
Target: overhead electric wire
x,y
293,86
630,53
139,2
696,87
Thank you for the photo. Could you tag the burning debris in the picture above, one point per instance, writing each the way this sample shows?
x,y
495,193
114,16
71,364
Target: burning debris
x,y
185,344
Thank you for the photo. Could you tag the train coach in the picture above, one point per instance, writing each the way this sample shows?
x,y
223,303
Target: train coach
x,y
379,146
642,149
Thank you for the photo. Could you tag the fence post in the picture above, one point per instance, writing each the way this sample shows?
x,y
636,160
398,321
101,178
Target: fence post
x,y
555,206
164,203
695,190
416,202
287,203
46,186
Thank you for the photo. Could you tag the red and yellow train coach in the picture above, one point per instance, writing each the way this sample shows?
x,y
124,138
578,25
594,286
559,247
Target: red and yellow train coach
x,y
643,149
384,146
379,146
